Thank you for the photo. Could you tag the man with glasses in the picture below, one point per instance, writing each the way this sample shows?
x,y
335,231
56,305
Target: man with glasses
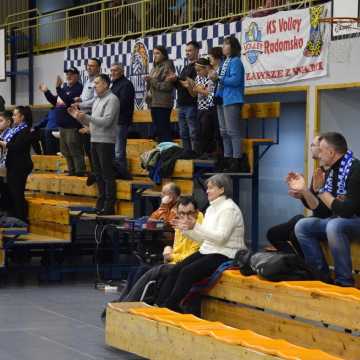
x,y
181,249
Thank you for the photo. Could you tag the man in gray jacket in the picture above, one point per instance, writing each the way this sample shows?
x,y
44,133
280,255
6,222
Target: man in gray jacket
x,y
103,122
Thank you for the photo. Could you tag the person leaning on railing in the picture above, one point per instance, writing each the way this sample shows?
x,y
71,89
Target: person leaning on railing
x,y
221,235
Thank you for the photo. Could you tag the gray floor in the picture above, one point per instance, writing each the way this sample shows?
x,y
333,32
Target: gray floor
x,y
54,322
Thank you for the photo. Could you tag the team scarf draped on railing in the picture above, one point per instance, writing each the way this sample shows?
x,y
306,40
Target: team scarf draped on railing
x,y
344,170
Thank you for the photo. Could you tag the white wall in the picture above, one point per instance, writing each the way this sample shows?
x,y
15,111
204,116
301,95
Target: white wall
x,y
46,68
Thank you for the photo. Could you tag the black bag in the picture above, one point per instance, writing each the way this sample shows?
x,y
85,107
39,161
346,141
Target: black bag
x,y
277,266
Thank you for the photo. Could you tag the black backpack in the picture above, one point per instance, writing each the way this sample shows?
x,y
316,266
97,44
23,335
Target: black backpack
x,y
277,266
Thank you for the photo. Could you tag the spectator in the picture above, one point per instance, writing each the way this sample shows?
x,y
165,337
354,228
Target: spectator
x,y
18,161
5,129
231,90
124,90
338,189
282,236
85,103
103,122
182,248
167,211
187,104
2,104
221,235
70,140
216,58
203,89
160,94
47,126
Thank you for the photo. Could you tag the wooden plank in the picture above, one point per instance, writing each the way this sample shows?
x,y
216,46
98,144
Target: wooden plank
x,y
155,333
33,238
73,200
53,163
51,229
268,110
74,185
39,210
355,254
43,182
144,116
307,299
299,333
154,340
135,147
125,208
248,145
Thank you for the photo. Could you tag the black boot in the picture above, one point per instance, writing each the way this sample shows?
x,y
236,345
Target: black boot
x,y
244,164
221,164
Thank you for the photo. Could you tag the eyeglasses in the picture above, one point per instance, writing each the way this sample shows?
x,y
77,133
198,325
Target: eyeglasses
x,y
187,213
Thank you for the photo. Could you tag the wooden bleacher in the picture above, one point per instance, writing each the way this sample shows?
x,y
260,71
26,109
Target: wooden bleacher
x,y
155,333
310,314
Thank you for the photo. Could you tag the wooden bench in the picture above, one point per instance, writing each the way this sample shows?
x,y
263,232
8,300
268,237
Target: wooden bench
x,y
144,116
158,333
294,311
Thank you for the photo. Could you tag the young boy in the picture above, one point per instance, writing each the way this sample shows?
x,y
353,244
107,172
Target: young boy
x,y
203,87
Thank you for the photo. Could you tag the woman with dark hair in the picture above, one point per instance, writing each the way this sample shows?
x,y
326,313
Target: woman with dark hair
x,y
18,160
160,93
230,90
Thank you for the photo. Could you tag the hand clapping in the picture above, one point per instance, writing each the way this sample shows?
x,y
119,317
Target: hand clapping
x,y
296,182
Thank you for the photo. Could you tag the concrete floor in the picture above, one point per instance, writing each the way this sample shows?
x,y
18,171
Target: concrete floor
x,y
54,322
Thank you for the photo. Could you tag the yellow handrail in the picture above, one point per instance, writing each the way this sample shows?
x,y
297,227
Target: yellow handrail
x,y
103,20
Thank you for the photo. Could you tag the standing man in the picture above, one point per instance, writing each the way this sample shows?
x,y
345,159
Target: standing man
x,y
103,122
187,104
339,190
124,90
70,139
85,102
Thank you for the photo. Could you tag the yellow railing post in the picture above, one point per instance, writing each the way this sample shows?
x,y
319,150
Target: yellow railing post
x,y
67,30
190,11
102,23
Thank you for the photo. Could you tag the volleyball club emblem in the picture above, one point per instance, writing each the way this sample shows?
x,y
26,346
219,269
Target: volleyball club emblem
x,y
139,67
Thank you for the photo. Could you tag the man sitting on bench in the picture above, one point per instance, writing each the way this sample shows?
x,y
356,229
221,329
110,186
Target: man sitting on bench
x,y
339,191
181,249
167,210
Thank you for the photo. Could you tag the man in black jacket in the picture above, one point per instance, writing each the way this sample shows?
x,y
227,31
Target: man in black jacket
x,y
187,104
70,139
338,189
124,90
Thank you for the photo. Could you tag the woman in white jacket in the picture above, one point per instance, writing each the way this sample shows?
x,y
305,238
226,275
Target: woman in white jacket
x,y
221,235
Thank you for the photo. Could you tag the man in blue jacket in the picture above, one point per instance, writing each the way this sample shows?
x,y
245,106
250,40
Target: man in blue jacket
x,y
47,126
70,139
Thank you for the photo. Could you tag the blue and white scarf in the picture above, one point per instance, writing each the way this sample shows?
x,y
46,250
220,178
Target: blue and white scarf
x,y
224,67
9,135
344,171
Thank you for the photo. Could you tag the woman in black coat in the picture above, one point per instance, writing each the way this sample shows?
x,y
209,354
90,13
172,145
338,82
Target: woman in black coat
x,y
18,159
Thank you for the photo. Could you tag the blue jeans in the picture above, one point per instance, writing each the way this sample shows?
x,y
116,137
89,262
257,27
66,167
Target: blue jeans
x,y
120,150
229,121
189,128
338,232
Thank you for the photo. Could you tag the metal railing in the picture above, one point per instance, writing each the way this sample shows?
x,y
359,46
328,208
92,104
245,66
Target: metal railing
x,y
108,20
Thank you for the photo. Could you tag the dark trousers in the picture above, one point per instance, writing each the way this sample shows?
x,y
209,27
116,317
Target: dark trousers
x,y
161,124
85,138
49,143
183,275
72,149
16,180
283,238
156,273
103,156
206,119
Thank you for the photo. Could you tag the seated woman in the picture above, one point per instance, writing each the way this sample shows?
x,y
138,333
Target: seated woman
x,y
221,235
